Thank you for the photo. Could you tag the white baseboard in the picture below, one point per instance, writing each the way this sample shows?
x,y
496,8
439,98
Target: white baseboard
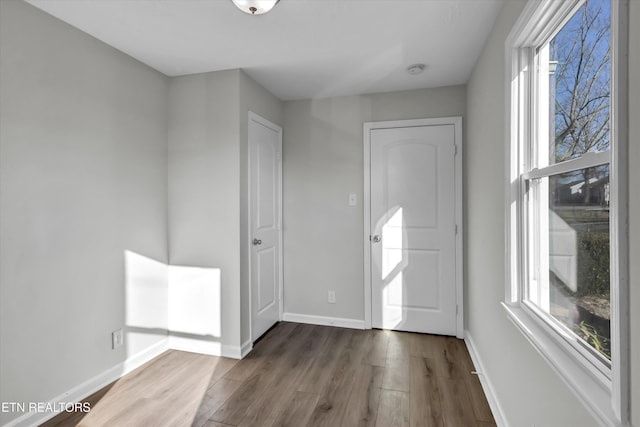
x,y
193,345
489,391
322,320
246,348
211,348
231,351
92,385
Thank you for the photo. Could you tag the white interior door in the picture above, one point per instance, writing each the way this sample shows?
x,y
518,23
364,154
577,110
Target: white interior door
x,y
265,189
413,228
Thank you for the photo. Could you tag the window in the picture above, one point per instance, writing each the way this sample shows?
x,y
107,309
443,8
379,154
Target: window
x,y
566,180
566,281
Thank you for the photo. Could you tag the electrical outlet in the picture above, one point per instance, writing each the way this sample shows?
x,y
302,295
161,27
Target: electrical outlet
x,y
332,297
117,339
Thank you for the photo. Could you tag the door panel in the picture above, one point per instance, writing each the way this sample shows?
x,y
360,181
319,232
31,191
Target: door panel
x,y
413,211
266,203
267,273
265,186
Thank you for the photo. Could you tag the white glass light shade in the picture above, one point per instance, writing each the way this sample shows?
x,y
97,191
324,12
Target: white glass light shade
x,y
255,7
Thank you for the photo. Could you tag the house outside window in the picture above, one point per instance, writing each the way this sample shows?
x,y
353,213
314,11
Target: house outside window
x,y
566,194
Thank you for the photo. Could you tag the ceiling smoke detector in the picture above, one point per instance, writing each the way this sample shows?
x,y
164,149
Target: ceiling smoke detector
x,y
416,69
255,7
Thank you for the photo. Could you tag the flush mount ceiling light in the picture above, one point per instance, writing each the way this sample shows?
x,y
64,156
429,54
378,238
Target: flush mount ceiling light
x,y
255,7
416,69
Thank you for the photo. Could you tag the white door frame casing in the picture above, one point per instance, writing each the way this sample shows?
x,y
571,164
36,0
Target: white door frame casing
x,y
367,128
264,122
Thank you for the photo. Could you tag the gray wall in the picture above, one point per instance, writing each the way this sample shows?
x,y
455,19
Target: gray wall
x,y
529,391
204,183
208,222
83,155
323,163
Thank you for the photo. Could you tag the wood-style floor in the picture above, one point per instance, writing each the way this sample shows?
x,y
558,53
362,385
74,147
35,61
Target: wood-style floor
x,y
301,375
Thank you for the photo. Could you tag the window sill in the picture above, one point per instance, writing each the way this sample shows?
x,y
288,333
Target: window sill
x,y
592,388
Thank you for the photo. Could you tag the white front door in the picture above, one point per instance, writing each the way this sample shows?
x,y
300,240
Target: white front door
x,y
265,189
413,197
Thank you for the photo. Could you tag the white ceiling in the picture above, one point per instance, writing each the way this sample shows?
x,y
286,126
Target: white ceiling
x,y
301,49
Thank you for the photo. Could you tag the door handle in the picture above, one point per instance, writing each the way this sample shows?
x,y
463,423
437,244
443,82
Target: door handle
x,y
257,242
377,238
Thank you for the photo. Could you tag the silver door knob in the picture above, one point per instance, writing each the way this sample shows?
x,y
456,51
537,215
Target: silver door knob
x,y
377,238
257,242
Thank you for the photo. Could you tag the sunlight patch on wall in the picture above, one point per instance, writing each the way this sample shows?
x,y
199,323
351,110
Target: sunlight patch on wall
x,y
146,302
194,309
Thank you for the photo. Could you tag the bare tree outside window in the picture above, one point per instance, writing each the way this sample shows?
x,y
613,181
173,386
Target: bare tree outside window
x,y
582,86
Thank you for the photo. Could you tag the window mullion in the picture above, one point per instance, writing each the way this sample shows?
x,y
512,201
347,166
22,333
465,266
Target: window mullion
x,y
587,160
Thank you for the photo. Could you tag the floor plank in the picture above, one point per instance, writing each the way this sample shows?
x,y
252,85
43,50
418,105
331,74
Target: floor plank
x,y
362,408
267,408
445,358
245,367
316,378
332,404
486,424
456,404
298,411
457,351
213,399
480,405
301,375
430,346
394,409
253,391
376,353
399,345
216,424
424,405
396,374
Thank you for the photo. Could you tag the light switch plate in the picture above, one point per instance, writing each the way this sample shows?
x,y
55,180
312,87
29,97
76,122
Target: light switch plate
x,y
353,199
117,339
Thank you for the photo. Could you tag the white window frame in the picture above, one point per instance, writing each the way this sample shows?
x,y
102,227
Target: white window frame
x,y
604,391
